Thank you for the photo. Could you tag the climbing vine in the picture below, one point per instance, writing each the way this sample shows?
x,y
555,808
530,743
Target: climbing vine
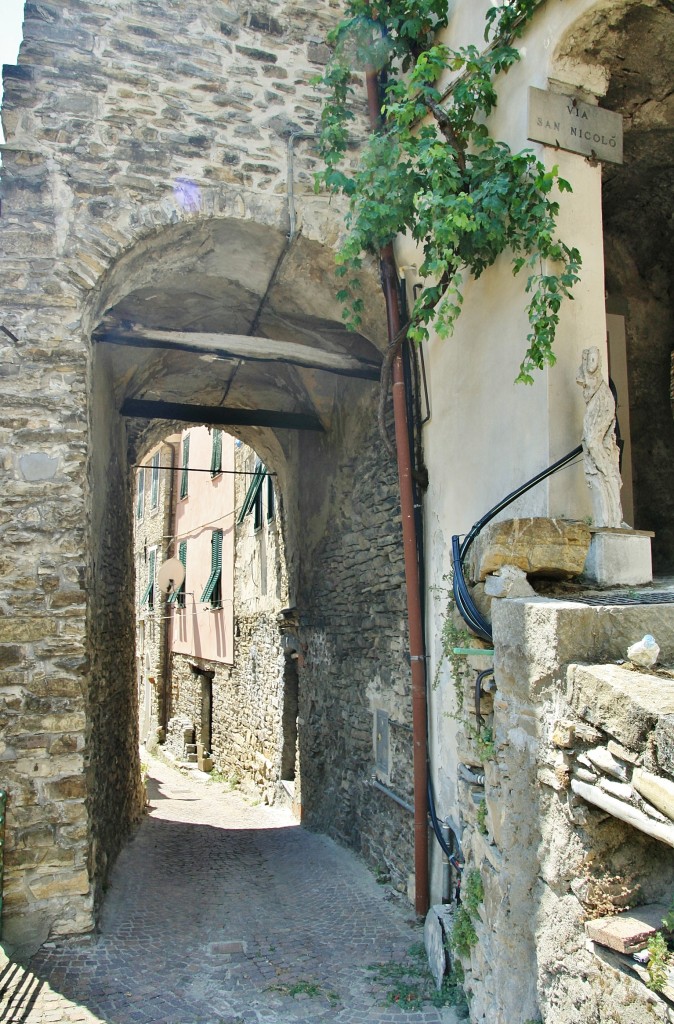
x,y
434,171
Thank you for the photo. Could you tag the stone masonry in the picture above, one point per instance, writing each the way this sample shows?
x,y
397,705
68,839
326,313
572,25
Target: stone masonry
x,y
130,130
549,861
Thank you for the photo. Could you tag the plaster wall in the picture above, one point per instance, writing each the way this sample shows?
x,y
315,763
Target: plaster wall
x,y
199,629
486,434
151,533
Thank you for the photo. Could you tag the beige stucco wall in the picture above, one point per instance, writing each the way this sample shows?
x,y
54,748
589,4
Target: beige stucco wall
x,y
486,434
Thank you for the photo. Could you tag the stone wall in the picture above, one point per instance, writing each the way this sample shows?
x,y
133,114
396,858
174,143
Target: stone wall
x,y
120,121
114,791
353,632
548,860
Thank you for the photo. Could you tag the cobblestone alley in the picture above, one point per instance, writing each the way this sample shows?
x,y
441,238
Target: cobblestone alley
x,y
220,912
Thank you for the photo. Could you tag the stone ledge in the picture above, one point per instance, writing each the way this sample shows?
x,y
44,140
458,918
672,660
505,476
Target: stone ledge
x,y
628,705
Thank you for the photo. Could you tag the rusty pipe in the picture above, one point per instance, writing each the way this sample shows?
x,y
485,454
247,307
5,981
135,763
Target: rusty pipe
x,y
410,553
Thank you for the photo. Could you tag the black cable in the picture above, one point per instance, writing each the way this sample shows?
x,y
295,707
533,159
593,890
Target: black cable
x,y
436,827
464,601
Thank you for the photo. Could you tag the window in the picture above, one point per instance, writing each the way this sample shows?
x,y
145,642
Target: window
x,y
148,596
154,492
252,494
185,465
140,505
271,499
257,510
213,590
178,596
216,453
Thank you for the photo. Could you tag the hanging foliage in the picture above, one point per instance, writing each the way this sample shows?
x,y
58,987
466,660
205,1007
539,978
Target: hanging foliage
x,y
434,171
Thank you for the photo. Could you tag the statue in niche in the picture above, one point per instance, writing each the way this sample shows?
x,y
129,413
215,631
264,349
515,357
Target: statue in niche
x,y
600,449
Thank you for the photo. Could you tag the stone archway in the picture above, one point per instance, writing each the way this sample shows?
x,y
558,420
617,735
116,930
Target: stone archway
x,y
340,520
161,359
157,177
631,42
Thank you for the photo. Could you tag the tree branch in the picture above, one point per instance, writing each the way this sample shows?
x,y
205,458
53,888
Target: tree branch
x,y
447,128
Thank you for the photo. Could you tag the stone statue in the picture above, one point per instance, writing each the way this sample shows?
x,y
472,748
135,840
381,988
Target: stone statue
x,y
600,449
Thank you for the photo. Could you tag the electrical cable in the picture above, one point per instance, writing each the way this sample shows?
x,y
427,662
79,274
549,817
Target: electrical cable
x,y
464,601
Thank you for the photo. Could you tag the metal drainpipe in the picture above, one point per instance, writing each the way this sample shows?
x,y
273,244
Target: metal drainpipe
x,y
414,617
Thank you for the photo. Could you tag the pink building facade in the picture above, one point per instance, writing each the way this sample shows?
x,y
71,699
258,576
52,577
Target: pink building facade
x,y
202,611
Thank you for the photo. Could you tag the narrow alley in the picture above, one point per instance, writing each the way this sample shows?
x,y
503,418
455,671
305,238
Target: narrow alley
x,y
220,912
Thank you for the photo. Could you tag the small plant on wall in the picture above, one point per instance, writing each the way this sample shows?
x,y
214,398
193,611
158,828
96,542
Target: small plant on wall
x,y
452,639
434,171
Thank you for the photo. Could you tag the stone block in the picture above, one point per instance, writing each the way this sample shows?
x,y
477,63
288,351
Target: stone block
x,y
619,558
664,743
628,931
60,885
658,791
19,630
74,787
542,547
624,703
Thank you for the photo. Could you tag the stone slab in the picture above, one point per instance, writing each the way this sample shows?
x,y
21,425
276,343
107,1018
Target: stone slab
x,y
619,558
658,791
664,833
436,927
625,703
628,931
538,546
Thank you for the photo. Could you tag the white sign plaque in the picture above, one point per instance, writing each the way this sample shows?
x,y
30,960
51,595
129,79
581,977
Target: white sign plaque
x,y
568,123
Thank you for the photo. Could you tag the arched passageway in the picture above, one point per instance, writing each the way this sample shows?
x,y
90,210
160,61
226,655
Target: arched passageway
x,y
288,379
157,182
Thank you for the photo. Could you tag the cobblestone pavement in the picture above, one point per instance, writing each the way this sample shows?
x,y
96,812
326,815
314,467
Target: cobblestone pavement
x,y
220,912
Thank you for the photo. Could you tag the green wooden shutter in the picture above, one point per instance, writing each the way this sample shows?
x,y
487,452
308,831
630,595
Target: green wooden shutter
x,y
154,494
148,596
178,596
252,492
186,460
140,507
216,453
271,499
212,590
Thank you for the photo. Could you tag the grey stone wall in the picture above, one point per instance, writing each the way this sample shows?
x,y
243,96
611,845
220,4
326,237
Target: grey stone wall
x,y
122,122
353,629
547,859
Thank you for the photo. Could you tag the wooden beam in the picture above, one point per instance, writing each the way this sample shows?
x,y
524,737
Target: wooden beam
x,y
219,416
239,346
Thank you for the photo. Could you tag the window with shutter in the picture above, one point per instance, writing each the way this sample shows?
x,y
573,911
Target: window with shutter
x,y
216,453
148,596
271,499
154,492
140,505
213,590
185,465
178,596
252,493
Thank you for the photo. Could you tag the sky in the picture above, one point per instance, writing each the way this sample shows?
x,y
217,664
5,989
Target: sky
x,y
11,20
